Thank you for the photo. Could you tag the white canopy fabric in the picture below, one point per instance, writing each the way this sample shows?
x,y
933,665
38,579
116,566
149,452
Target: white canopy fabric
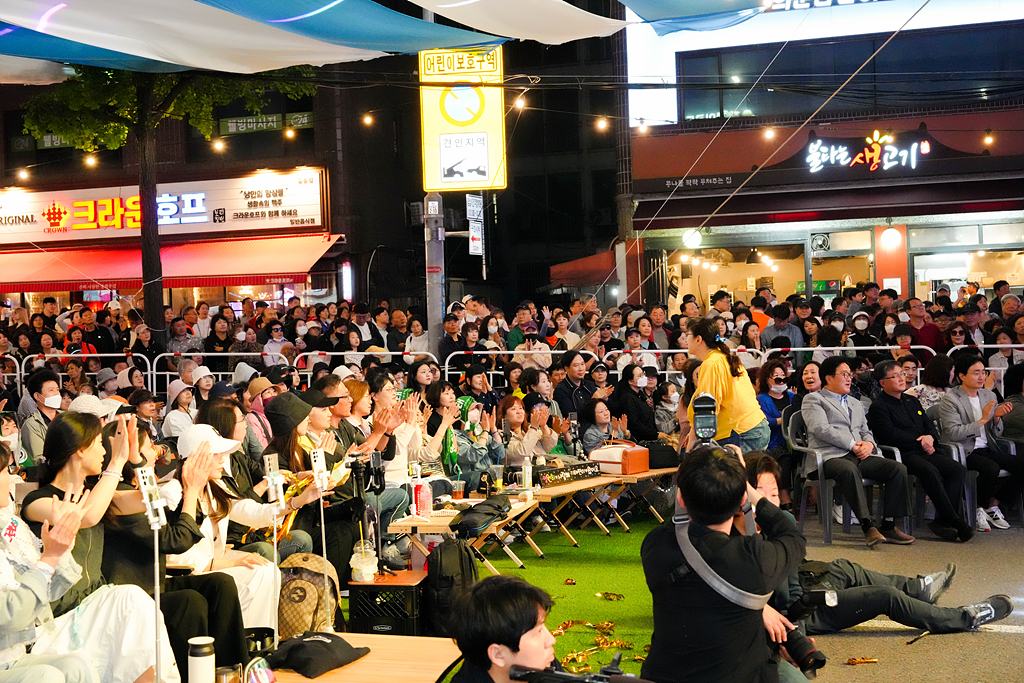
x,y
547,21
178,32
23,71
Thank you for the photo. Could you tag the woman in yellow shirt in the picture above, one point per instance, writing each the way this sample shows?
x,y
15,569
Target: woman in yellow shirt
x,y
740,418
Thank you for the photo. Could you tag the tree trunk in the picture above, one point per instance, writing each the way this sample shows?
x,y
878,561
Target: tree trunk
x,y
152,270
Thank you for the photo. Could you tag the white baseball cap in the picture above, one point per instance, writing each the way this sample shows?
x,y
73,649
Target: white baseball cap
x,y
194,435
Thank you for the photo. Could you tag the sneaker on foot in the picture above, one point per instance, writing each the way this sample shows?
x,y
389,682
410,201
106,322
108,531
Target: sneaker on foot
x,y
873,537
837,513
994,608
996,519
964,532
982,521
897,537
934,585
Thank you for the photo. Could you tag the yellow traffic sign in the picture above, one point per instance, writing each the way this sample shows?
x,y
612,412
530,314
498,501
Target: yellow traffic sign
x,y
463,120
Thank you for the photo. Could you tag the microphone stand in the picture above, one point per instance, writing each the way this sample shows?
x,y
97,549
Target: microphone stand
x,y
275,494
323,480
157,519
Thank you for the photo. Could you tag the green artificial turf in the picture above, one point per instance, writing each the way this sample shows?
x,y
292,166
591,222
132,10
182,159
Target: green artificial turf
x,y
601,564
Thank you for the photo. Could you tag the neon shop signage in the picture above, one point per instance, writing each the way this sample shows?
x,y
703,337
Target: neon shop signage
x,y
879,154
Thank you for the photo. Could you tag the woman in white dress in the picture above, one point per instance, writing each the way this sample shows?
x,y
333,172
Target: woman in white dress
x,y
178,415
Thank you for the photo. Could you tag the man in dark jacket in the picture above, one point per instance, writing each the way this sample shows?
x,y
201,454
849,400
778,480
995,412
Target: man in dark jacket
x,y
699,635
573,392
899,421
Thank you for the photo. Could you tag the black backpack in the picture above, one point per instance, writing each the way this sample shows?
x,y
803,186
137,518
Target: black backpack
x,y
451,569
471,523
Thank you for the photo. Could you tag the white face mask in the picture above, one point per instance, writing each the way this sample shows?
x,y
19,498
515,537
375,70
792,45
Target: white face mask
x,y
301,330
838,324
12,443
473,416
52,401
729,325
779,389
492,329
642,382
860,324
674,399
240,336
889,329
904,317
38,363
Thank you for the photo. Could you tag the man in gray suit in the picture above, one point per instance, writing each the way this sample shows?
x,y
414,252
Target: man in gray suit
x,y
970,416
836,428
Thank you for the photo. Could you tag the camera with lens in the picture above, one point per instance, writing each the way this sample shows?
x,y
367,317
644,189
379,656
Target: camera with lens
x,y
705,417
800,648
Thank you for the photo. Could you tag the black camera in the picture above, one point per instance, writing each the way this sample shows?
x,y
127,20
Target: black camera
x,y
800,648
705,417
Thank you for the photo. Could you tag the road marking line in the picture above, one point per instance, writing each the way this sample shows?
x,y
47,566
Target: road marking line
x,y
889,625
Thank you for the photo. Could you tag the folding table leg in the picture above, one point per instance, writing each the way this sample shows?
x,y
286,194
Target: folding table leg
x,y
551,519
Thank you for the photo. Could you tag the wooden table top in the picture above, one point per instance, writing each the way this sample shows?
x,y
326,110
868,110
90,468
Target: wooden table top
x,y
649,474
546,494
409,659
442,525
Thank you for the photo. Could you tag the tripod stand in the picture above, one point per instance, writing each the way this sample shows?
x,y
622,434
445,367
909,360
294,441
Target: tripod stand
x,y
370,479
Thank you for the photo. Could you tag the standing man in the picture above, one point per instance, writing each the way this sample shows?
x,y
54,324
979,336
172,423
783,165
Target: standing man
x,y
248,311
721,303
516,335
899,420
44,387
782,328
925,333
871,292
361,320
660,326
399,331
972,319
758,306
767,294
837,429
97,335
887,300
379,328
452,342
1000,289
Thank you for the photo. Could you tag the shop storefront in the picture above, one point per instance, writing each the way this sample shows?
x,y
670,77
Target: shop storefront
x,y
907,204
259,235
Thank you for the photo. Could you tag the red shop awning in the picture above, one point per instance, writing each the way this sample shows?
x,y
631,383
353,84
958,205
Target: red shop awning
x,y
267,261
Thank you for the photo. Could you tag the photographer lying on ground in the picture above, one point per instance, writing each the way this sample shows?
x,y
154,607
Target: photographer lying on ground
x,y
864,594
699,635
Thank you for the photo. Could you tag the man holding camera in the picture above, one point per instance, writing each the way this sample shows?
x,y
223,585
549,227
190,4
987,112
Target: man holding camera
x,y
699,634
837,428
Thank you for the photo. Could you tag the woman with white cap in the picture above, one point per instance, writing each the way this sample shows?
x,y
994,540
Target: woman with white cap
x,y
178,415
202,382
255,576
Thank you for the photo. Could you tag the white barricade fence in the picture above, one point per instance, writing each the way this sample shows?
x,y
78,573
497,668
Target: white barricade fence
x,y
156,372
17,376
306,360
998,371
133,359
759,356
493,373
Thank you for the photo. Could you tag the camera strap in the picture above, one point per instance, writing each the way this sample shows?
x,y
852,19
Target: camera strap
x,y
681,520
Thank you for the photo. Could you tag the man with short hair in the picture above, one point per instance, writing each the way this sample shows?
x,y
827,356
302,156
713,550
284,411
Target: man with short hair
x,y
248,311
660,327
617,331
855,295
50,312
837,429
515,335
781,327
379,331
97,335
887,299
758,306
1000,289
180,341
573,392
840,305
452,342
399,331
1010,305
898,420
360,319
767,294
972,320
498,623
700,635
44,387
871,293
721,302
691,309
925,333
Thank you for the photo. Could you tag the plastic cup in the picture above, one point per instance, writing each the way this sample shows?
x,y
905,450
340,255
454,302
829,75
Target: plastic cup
x,y
498,475
460,489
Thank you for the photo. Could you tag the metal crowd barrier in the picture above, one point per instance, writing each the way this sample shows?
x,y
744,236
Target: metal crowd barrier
x,y
18,376
999,372
493,373
170,375
307,371
26,366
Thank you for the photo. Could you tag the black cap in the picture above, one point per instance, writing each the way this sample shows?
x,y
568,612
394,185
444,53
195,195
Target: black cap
x,y
801,303
970,308
598,366
317,367
449,317
317,398
533,399
285,412
277,374
221,390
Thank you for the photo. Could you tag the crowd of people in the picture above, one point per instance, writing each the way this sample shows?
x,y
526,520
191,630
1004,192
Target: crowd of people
x,y
868,373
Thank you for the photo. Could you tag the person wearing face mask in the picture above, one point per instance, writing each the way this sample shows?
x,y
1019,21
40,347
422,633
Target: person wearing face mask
x,y
861,337
44,387
774,396
276,341
245,342
887,329
10,436
631,402
666,405
828,338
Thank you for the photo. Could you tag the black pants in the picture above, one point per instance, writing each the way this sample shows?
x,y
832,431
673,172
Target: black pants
x,y
987,462
204,605
864,594
847,471
942,479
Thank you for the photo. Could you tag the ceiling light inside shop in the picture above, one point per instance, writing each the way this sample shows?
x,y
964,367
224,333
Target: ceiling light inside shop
x,y
981,253
23,174
705,265
602,124
775,269
714,268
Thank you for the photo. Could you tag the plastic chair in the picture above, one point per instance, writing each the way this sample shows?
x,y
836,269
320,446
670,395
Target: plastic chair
x,y
960,455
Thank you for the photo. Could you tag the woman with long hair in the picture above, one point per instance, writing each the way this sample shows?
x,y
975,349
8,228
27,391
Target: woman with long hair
x,y
471,444
599,425
219,340
76,376
936,380
354,345
417,344
810,381
740,419
94,617
887,331
513,371
774,395
420,377
750,339
247,345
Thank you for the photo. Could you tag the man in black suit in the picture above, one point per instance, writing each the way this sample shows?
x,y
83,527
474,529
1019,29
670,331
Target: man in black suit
x,y
899,420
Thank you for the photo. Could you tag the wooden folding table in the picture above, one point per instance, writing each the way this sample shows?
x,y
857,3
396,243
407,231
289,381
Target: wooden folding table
x,y
624,482
410,659
596,485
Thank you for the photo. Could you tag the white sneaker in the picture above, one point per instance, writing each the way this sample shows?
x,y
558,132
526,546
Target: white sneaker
x,y
981,523
996,519
837,513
